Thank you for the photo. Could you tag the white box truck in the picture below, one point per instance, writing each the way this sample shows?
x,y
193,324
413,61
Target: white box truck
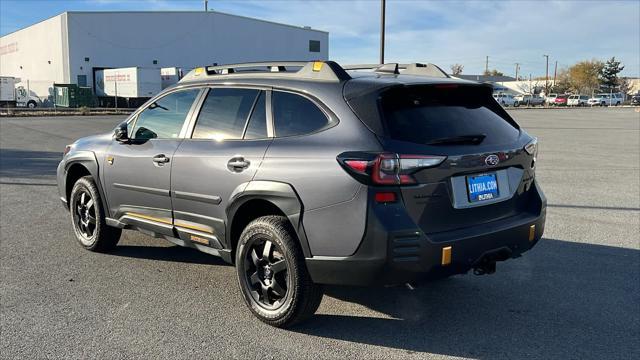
x,y
134,84
10,96
170,76
7,92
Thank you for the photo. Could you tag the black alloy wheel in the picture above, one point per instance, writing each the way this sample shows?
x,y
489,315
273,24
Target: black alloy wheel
x,y
266,273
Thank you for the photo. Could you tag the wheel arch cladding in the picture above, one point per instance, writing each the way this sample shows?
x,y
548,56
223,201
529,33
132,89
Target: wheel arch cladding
x,y
260,198
84,163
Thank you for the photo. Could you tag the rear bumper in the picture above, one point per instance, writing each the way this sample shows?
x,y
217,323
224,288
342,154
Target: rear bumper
x,y
395,251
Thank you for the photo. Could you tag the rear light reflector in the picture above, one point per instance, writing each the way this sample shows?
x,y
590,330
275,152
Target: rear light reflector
x,y
357,165
385,197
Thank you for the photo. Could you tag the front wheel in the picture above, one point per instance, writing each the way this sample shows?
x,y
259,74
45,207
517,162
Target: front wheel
x,y
88,219
272,274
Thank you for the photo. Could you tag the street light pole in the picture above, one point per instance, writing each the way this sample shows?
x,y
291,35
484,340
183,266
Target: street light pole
x,y
382,20
546,81
517,68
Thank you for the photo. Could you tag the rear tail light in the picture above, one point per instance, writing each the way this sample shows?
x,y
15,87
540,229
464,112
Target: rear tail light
x,y
387,168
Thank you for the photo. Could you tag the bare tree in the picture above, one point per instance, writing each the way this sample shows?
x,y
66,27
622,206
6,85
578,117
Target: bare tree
x,y
456,69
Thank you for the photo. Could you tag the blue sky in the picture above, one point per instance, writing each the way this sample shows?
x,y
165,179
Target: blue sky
x,y
440,32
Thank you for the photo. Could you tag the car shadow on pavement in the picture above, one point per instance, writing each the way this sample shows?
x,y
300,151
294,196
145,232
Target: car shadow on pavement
x,y
167,253
15,163
561,300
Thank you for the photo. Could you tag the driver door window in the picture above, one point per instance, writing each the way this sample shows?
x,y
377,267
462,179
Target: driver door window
x,y
164,118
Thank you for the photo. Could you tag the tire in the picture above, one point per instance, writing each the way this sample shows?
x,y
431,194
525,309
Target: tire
x,y
602,104
275,285
32,104
88,220
516,104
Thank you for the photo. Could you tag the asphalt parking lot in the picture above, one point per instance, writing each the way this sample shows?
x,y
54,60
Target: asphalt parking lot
x,y
575,296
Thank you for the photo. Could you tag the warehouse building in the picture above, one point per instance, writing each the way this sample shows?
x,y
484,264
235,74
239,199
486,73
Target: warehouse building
x,y
70,47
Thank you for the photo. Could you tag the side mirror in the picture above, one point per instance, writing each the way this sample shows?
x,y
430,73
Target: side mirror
x,y
121,133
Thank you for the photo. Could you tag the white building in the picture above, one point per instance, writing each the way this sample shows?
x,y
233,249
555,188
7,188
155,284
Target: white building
x,y
69,47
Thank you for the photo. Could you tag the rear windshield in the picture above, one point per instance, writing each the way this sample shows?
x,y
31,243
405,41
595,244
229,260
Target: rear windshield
x,y
429,114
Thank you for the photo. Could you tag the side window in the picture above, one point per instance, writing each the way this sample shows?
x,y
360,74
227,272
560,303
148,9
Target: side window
x,y
224,113
164,118
296,115
257,127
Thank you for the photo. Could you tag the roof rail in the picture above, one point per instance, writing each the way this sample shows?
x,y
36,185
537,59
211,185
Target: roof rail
x,y
296,70
418,69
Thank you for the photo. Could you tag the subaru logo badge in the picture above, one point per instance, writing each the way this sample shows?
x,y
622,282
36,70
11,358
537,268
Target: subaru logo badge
x,y
492,160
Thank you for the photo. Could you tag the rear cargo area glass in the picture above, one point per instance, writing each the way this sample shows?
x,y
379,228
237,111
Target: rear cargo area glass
x,y
428,113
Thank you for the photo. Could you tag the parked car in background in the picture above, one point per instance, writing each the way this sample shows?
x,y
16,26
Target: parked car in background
x,y
529,99
577,100
561,100
635,100
613,99
506,100
550,99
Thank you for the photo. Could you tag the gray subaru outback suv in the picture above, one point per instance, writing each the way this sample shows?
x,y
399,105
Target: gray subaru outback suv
x,y
303,174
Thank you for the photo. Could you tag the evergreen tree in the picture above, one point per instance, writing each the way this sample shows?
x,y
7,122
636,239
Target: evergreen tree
x,y
609,73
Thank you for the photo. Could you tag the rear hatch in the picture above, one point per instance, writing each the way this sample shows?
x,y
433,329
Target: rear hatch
x,y
487,172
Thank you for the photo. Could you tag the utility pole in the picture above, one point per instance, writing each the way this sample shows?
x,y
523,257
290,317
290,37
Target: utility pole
x,y
555,72
517,68
382,16
546,81
206,5
486,65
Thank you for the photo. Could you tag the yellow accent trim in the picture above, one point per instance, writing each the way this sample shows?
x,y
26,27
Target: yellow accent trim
x,y
147,217
110,160
532,232
194,227
198,71
200,240
317,65
446,255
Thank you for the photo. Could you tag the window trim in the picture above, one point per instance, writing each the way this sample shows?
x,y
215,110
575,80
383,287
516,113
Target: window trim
x,y
134,117
188,134
332,119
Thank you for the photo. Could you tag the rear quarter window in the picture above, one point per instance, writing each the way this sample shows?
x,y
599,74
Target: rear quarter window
x,y
425,114
296,115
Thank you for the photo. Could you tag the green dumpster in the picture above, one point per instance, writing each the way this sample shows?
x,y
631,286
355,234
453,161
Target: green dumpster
x,y
72,96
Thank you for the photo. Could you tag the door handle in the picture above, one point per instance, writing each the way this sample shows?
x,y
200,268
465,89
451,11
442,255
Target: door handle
x,y
160,159
237,164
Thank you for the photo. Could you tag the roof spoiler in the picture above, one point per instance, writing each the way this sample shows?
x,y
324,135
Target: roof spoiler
x,y
295,70
417,69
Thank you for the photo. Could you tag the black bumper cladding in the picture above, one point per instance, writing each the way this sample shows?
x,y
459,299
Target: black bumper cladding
x,y
395,251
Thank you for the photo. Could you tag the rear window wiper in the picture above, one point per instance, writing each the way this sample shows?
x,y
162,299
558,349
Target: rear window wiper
x,y
473,139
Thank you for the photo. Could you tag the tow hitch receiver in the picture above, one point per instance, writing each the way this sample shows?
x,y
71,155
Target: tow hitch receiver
x,y
487,263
